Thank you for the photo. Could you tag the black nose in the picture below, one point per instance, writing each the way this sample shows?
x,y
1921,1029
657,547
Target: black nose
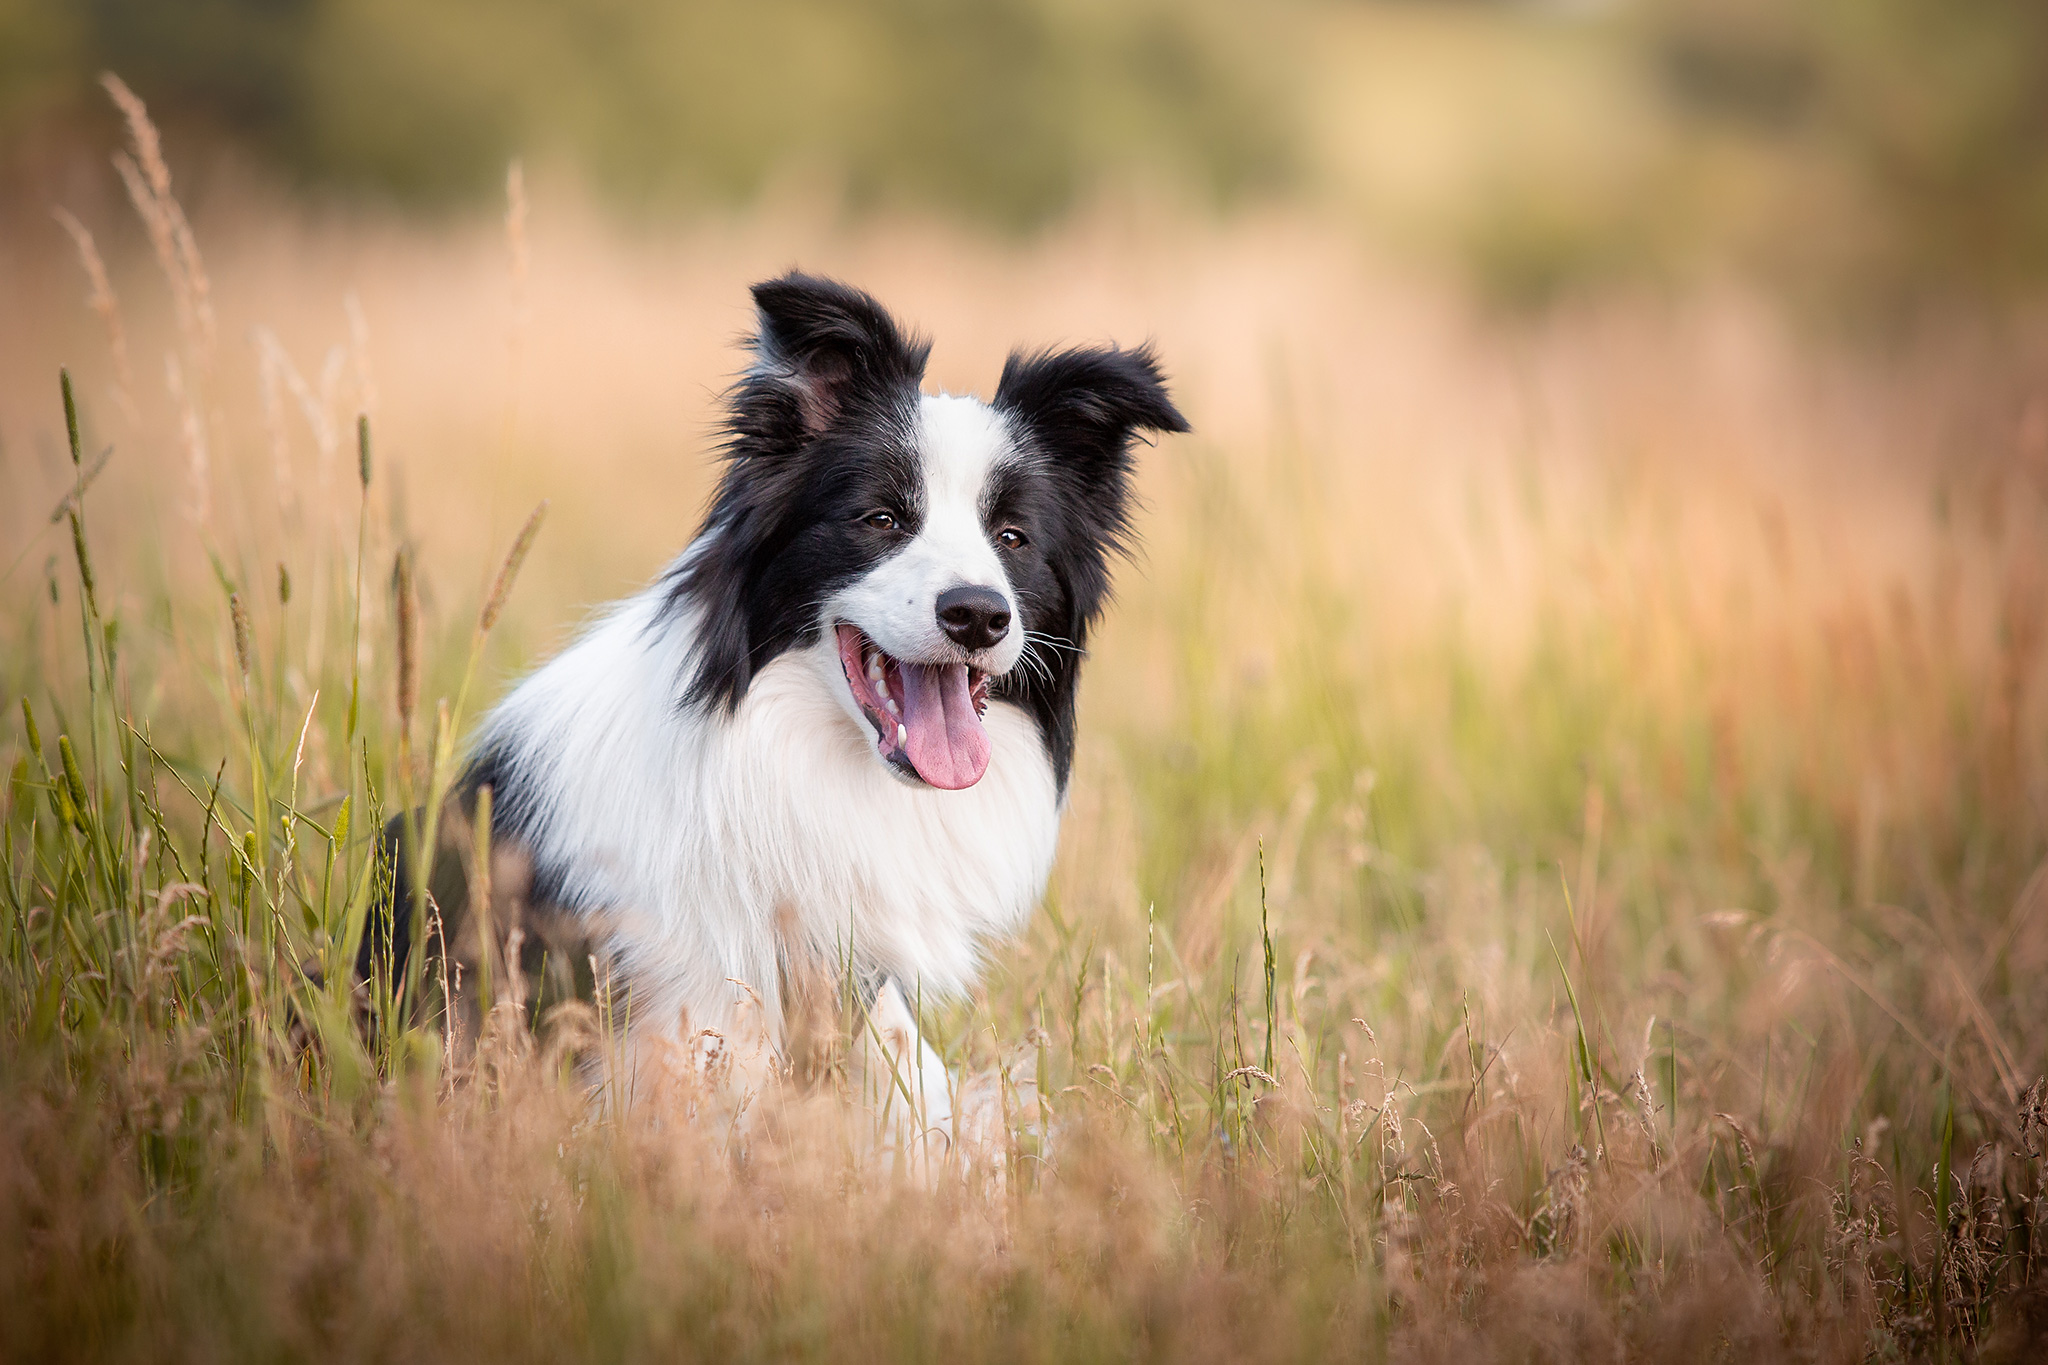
x,y
975,617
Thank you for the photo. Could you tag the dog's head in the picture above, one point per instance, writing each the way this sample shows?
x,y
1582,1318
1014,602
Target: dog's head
x,y
948,550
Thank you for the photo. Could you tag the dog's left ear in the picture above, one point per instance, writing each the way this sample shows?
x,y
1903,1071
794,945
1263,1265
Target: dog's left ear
x,y
1083,406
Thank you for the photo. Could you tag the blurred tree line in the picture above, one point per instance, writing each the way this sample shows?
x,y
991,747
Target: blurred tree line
x,y
1003,108
1904,143
1880,146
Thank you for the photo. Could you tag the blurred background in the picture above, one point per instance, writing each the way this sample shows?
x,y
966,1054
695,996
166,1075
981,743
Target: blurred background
x,y
1860,155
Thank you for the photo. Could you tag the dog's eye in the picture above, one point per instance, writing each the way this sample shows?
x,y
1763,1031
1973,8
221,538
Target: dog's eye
x,y
881,521
1011,538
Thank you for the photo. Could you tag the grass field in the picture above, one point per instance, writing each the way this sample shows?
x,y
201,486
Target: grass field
x,y
1555,866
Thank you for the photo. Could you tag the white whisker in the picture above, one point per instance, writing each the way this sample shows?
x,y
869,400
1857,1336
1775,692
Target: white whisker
x,y
1059,642
1029,657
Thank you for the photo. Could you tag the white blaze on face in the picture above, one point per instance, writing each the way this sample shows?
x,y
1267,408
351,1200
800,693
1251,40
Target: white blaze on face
x,y
960,442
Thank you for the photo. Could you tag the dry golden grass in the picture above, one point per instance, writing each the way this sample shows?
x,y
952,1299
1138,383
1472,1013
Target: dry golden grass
x,y
1554,870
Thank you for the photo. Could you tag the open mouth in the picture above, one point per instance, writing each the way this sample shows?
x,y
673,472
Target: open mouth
x,y
927,717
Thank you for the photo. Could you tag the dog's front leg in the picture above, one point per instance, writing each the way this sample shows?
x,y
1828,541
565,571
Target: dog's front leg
x,y
904,1092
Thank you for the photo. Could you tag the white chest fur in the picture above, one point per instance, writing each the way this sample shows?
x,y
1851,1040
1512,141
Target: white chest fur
x,y
719,848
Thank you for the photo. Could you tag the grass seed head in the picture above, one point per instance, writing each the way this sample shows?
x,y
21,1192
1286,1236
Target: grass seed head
x,y
28,723
148,179
408,639
84,556
240,617
103,302
501,586
70,413
74,777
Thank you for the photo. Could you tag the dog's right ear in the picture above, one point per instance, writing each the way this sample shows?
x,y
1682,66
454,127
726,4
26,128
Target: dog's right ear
x,y
822,351
825,354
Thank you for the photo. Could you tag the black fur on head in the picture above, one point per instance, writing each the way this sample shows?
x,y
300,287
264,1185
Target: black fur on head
x,y
1074,414
820,426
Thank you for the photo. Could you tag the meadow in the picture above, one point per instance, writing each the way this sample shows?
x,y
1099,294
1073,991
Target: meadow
x,y
1554,870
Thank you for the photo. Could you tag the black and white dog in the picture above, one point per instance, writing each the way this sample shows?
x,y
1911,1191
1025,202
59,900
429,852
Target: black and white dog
x,y
841,723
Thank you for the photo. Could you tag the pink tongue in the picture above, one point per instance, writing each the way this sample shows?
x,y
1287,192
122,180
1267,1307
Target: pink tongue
x,y
946,743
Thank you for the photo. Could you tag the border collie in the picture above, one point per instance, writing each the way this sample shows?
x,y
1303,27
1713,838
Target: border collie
x,y
831,742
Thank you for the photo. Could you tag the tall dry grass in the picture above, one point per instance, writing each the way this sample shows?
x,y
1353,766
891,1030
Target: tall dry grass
x,y
1554,868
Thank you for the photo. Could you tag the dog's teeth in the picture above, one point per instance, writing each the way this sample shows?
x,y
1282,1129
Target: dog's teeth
x,y
875,667
890,706
902,735
881,687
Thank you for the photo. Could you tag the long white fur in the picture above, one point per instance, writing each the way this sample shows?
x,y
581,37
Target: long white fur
x,y
719,847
